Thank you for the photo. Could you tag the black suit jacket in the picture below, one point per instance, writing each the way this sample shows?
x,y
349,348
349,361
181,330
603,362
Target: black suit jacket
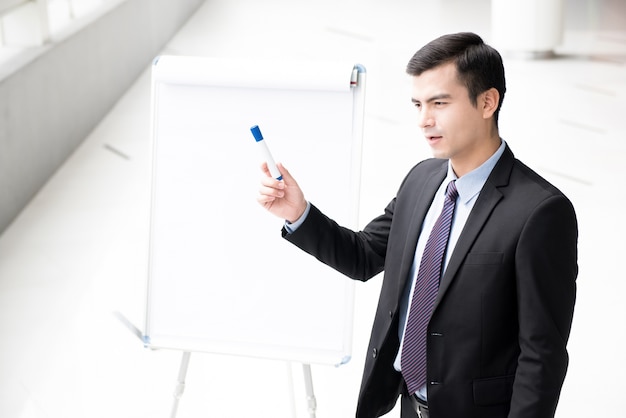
x,y
496,344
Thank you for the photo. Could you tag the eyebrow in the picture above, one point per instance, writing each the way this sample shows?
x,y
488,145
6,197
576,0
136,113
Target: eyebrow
x,y
434,98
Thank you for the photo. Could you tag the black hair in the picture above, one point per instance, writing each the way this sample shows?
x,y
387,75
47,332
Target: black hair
x,y
479,66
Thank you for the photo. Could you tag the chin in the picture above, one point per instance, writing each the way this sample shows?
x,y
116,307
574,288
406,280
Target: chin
x,y
437,153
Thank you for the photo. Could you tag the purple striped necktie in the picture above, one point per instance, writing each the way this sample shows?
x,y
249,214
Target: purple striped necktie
x,y
413,356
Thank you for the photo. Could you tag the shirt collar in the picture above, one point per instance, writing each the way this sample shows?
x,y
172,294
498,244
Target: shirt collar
x,y
472,183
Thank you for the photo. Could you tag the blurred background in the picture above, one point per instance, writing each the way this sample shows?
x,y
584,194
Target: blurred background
x,y
75,184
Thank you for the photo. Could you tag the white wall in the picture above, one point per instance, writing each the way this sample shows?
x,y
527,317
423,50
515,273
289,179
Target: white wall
x,y
51,97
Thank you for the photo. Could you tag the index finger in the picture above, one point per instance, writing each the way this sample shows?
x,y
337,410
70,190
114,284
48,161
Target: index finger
x,y
265,169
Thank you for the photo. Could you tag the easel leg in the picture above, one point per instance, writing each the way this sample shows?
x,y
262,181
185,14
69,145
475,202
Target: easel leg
x,y
292,392
180,385
308,385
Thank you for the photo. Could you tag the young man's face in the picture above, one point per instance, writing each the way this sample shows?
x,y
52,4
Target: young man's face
x,y
453,127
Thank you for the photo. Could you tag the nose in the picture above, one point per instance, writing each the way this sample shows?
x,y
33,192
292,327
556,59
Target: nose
x,y
425,119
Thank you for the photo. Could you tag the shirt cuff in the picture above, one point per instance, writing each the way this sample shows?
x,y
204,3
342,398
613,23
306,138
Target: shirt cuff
x,y
292,227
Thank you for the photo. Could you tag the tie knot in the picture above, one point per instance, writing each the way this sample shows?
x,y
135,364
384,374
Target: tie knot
x,y
451,191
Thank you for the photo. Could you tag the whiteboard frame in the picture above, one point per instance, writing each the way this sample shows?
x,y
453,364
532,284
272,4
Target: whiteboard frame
x,y
197,68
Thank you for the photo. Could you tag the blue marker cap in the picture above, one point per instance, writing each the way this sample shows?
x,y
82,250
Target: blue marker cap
x,y
257,133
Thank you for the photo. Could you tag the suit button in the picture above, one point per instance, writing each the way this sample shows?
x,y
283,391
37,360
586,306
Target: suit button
x,y
374,353
390,314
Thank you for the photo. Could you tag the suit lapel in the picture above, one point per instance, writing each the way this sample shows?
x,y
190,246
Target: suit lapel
x,y
489,197
423,201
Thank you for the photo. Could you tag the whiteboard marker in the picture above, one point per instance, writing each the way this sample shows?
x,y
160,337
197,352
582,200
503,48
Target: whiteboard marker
x,y
267,156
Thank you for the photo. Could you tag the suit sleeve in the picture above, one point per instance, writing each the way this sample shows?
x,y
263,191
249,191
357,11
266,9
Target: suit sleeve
x,y
546,270
359,255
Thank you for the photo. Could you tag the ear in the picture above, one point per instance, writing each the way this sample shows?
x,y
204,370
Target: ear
x,y
489,101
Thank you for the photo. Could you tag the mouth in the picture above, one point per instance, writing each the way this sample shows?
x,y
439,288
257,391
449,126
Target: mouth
x,y
431,139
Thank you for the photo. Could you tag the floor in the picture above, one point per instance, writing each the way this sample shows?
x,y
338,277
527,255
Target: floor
x,y
76,255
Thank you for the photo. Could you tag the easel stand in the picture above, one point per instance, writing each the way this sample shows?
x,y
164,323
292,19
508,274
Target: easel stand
x,y
308,386
182,374
180,385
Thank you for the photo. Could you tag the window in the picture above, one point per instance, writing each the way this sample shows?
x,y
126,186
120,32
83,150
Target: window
x,y
28,23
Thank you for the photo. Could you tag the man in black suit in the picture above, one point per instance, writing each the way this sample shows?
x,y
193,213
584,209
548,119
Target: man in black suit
x,y
498,328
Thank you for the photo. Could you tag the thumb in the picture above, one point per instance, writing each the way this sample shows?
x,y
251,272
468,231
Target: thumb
x,y
287,177
291,185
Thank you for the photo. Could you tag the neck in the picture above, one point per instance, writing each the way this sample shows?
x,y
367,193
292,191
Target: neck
x,y
462,166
